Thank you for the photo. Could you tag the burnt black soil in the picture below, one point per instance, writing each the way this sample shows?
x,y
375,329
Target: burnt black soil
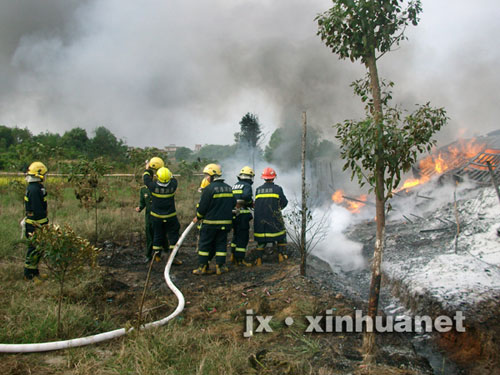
x,y
125,275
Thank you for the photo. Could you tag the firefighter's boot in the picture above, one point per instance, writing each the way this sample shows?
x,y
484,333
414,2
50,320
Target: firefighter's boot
x,y
258,262
243,262
282,257
177,262
202,270
220,269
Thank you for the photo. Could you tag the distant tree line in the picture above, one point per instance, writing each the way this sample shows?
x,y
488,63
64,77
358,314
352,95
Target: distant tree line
x,y
19,147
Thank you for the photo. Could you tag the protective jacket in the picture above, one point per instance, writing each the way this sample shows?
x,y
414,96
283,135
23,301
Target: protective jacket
x,y
216,204
162,196
268,221
35,202
242,191
145,200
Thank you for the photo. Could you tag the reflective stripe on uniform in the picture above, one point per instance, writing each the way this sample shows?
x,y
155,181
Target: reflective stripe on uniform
x,y
203,253
220,254
163,216
199,215
245,211
157,247
205,221
267,196
26,198
269,234
241,249
239,191
39,221
223,195
163,195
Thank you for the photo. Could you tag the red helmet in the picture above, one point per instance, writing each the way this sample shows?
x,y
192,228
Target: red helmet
x,y
268,174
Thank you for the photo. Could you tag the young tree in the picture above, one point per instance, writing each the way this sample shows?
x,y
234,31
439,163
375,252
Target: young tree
x,y
64,253
90,189
365,30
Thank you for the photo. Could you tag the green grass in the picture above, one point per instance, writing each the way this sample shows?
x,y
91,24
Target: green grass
x,y
192,345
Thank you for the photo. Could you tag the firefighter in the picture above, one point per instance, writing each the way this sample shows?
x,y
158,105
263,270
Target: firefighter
x,y
242,192
215,210
163,215
268,221
145,202
35,202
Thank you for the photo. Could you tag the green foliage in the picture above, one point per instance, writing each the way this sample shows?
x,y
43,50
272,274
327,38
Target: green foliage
x,y
75,140
285,144
183,153
250,132
137,158
356,29
64,253
188,169
403,138
106,144
19,148
216,152
86,177
90,189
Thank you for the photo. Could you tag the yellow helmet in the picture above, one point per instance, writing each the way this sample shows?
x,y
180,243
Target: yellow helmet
x,y
37,169
164,174
213,170
204,183
246,172
156,163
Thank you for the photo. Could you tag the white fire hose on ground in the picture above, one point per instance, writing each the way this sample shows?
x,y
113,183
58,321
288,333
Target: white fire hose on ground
x,y
82,341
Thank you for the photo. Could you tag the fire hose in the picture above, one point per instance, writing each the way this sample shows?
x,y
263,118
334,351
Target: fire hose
x,y
82,341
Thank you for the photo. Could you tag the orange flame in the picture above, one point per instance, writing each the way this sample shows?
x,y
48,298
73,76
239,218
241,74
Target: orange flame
x,y
338,196
453,157
353,206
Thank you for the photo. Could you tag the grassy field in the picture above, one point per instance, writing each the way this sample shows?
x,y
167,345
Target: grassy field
x,y
205,339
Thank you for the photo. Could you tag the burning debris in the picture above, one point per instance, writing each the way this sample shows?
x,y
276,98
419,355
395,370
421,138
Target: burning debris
x,y
460,160
352,204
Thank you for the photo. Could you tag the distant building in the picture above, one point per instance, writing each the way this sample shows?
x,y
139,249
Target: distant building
x,y
197,148
171,148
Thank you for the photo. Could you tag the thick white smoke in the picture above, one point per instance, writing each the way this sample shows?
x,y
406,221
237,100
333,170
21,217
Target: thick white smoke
x,y
157,72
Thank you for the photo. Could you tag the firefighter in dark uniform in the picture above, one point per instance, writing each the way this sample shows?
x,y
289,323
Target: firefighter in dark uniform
x,y
35,202
145,203
268,221
215,210
163,215
242,192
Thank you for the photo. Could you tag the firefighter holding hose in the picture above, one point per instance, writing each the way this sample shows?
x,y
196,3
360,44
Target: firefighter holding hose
x,y
215,210
145,203
163,214
268,222
243,194
35,202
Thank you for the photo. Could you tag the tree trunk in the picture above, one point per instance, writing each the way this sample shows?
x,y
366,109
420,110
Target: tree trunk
x,y
369,347
303,252
95,202
61,289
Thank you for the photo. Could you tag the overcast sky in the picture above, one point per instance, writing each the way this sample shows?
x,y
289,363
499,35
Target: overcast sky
x,y
158,72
